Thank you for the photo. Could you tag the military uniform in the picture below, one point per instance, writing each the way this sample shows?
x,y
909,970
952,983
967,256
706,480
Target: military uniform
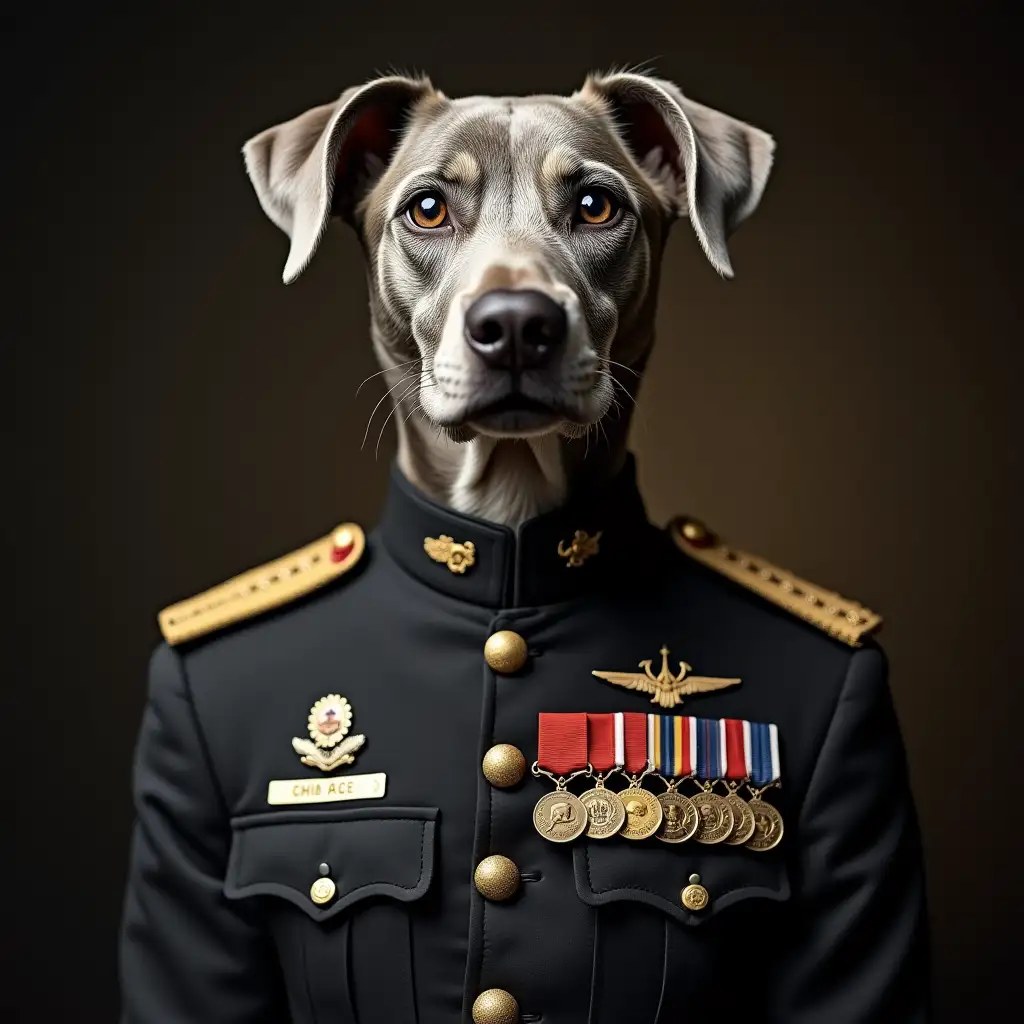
x,y
417,889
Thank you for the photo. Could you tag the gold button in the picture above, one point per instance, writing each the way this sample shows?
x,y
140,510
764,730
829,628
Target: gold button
x,y
504,765
322,890
694,531
695,896
496,878
505,651
495,1006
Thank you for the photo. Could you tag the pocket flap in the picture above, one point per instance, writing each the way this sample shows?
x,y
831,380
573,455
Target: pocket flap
x,y
381,851
656,875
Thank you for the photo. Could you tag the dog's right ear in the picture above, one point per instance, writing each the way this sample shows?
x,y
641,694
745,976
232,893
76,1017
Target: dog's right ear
x,y
320,163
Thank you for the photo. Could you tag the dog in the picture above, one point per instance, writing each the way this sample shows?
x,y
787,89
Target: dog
x,y
513,248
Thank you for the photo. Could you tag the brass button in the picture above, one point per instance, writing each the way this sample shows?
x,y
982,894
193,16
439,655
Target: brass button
x,y
495,1006
496,878
696,533
504,765
322,890
505,651
695,896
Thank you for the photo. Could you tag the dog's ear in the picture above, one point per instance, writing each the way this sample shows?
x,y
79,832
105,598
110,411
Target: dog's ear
x,y
321,163
701,162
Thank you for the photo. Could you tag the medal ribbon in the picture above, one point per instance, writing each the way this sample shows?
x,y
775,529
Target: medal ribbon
x,y
737,748
605,742
712,756
670,745
562,742
634,730
765,767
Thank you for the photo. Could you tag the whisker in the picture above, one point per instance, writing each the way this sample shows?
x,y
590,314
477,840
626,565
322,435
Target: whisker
x,y
366,433
385,370
394,409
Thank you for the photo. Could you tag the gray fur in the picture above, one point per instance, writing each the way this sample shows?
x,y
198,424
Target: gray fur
x,y
509,169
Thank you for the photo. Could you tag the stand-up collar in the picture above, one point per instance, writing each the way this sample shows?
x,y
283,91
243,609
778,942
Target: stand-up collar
x,y
588,543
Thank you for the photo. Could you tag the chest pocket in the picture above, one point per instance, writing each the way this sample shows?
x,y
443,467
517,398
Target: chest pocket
x,y
333,888
677,959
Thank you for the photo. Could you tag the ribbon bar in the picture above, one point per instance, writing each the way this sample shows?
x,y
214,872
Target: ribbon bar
x,y
737,748
605,742
562,742
634,728
670,744
765,767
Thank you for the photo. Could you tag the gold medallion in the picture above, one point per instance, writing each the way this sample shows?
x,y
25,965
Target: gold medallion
x,y
329,746
560,816
679,817
768,827
744,820
605,812
643,813
716,817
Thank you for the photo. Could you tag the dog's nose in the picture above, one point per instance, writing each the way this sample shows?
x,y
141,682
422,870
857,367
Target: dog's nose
x,y
515,329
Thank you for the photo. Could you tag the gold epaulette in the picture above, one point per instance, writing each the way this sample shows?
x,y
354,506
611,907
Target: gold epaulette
x,y
840,617
265,587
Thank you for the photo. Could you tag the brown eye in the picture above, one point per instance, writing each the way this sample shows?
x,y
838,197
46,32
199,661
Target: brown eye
x,y
596,206
428,210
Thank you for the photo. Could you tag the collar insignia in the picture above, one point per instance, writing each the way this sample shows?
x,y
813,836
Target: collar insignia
x,y
458,557
581,548
668,690
329,746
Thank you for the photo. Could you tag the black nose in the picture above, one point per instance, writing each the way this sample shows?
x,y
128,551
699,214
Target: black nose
x,y
512,329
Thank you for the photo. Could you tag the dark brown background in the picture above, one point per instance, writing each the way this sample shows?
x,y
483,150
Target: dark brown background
x,y
845,406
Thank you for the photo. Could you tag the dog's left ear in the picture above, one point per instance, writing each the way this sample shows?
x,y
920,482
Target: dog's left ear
x,y
701,162
322,162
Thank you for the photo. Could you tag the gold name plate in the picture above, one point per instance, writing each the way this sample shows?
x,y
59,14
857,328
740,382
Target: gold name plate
x,y
322,791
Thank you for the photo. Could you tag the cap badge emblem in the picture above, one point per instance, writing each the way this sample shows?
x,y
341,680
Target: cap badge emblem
x,y
458,557
329,746
582,546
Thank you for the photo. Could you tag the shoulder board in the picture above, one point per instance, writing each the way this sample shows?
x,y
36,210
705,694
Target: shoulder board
x,y
265,587
838,616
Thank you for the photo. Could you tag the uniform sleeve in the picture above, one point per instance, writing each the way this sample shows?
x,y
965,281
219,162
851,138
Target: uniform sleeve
x,y
187,953
860,952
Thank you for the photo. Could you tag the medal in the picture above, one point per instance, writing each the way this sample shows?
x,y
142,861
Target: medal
x,y
738,766
670,746
717,819
643,812
561,756
606,750
765,772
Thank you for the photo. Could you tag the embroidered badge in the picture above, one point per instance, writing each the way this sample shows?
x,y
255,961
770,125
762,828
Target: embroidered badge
x,y
458,557
668,690
580,549
329,746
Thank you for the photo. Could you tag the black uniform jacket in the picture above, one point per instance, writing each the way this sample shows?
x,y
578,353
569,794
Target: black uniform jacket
x,y
219,923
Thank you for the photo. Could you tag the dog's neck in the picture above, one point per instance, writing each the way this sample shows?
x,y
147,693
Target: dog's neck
x,y
509,481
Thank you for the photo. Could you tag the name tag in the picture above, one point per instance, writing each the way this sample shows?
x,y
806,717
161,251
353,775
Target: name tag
x,y
322,791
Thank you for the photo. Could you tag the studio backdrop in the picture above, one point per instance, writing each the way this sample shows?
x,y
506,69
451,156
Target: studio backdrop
x,y
845,406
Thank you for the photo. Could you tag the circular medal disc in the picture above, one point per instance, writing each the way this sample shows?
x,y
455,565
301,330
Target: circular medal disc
x,y
768,826
560,816
643,813
679,817
716,818
744,827
605,813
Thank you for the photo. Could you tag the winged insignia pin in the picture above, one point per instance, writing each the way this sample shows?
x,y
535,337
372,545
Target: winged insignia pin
x,y
668,690
329,746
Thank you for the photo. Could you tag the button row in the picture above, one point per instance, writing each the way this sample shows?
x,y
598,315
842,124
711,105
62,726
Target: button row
x,y
496,877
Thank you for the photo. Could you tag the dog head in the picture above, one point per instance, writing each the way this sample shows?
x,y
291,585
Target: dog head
x,y
513,244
